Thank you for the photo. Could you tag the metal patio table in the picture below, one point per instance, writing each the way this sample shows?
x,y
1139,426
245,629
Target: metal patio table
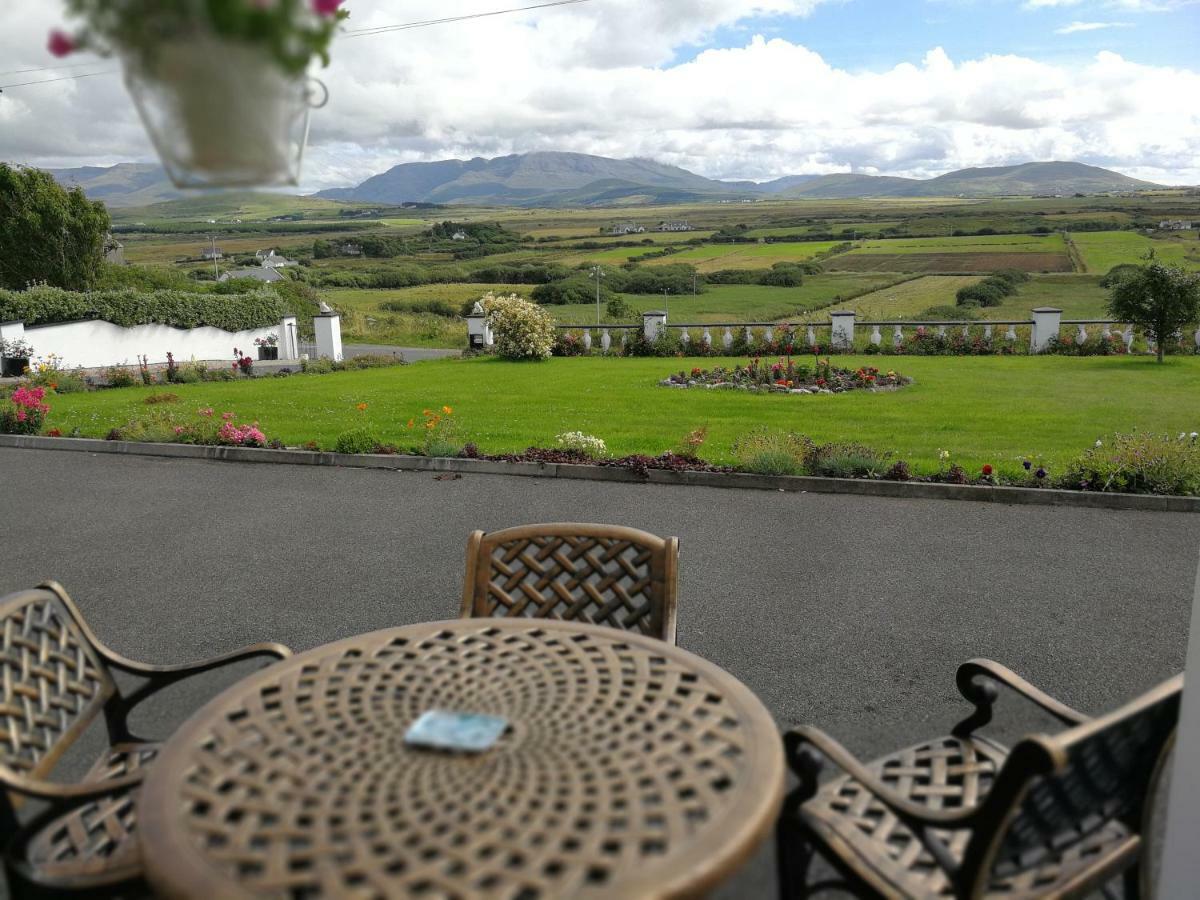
x,y
629,768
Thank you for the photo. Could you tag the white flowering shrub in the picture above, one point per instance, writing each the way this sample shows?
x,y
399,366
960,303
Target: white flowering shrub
x,y
583,443
522,330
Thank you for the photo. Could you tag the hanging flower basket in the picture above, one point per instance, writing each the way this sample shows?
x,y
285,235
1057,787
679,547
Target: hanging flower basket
x,y
221,88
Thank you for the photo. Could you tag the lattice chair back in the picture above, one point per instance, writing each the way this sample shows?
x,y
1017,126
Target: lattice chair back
x,y
1062,791
54,683
601,574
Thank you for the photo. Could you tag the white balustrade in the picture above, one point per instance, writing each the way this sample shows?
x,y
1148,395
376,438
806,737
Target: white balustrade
x,y
987,332
1081,335
1128,337
812,337
685,338
727,338
587,340
876,337
1011,334
749,335
769,334
706,338
1107,331
966,330
941,331
605,340
1197,338
897,335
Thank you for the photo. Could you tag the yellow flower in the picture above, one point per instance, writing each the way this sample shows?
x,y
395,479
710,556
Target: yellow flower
x,y
447,410
431,425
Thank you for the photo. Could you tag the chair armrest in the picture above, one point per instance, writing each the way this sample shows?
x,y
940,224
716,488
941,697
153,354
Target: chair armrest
x,y
974,679
177,671
797,744
58,794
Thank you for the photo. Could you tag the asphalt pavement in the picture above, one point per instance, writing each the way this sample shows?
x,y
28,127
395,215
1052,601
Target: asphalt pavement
x,y
850,613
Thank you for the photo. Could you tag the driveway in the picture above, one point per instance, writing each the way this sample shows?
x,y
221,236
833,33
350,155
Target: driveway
x,y
411,354
846,612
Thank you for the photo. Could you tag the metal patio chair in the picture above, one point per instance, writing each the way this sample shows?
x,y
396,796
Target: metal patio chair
x,y
601,574
57,678
963,817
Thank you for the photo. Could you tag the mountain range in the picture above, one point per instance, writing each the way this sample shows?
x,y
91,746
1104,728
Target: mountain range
x,y
577,179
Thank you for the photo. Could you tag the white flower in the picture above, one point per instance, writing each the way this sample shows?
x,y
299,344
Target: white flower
x,y
1195,434
1183,435
1099,443
943,454
586,444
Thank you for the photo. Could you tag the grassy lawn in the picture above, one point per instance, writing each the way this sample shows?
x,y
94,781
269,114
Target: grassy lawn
x,y
981,409
1101,250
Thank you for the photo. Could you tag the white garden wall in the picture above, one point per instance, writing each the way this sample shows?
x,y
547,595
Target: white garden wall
x,y
93,343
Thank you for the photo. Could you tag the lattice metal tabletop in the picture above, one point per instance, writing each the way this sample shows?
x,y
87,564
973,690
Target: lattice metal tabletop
x,y
630,768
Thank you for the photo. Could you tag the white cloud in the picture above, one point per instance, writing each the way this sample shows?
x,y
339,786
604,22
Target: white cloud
x,y
1075,27
599,78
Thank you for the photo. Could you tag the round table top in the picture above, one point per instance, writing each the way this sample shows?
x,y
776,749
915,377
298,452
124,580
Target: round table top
x,y
630,768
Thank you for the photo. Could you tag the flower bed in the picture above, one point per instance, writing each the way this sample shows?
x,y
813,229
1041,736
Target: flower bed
x,y
786,377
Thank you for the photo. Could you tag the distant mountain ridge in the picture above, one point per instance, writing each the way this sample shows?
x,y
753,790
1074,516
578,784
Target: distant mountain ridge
x,y
577,179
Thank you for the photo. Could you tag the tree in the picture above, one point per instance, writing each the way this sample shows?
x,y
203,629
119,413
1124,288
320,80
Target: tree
x,y
1159,299
48,233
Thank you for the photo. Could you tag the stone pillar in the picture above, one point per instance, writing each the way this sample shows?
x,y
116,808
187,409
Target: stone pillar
x,y
476,326
653,323
289,338
1046,324
843,329
12,331
329,336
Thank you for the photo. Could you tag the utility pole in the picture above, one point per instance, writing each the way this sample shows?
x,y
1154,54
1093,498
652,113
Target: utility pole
x,y
597,273
667,304
212,238
693,287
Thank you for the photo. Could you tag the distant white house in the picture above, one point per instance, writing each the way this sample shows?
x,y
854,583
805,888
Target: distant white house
x,y
681,225
211,253
628,228
269,259
1174,225
350,250
266,274
458,236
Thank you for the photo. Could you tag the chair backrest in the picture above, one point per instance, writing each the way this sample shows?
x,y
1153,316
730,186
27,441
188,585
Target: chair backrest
x,y
602,574
53,682
1056,791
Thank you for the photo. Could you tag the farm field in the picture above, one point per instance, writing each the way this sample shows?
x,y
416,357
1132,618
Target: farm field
x,y
947,255
980,409
908,299
740,302
1078,296
1101,250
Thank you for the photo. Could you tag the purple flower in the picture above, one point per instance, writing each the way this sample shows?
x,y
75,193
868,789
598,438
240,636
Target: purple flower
x,y
1040,473
1028,465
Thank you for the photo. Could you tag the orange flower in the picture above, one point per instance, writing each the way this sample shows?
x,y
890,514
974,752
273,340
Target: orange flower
x,y
447,410
427,412
431,425
362,407
410,423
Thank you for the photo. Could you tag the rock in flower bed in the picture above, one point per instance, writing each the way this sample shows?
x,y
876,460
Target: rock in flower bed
x,y
786,377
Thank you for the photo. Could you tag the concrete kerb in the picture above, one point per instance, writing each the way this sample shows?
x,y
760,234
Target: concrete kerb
x,y
801,484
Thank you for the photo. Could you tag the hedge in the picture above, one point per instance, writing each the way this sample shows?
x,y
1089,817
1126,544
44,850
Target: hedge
x,y
180,309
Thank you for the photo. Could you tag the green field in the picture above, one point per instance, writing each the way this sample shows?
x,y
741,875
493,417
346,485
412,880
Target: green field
x,y
1101,250
982,409
712,257
994,243
908,299
1078,296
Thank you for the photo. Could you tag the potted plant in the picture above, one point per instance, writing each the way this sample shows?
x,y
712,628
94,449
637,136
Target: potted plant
x,y
14,357
267,347
220,86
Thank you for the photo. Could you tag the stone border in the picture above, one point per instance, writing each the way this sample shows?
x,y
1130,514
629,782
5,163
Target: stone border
x,y
801,484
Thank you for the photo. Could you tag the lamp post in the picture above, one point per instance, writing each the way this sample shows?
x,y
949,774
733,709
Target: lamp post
x,y
666,302
597,273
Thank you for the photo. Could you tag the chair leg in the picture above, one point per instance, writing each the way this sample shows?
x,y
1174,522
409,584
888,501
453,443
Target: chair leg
x,y
1133,882
793,853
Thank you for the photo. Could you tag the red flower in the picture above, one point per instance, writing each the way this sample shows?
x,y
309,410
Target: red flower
x,y
60,43
326,7
987,471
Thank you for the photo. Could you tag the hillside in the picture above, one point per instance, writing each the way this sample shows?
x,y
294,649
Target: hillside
x,y
578,180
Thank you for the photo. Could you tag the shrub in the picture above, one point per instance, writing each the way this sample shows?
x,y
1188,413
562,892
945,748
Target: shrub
x,y
119,376
374,361
1138,464
1119,273
782,275
768,451
24,411
362,439
521,329
441,433
586,444
179,309
845,461
899,471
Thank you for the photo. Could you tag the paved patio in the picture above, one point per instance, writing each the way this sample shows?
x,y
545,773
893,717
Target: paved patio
x,y
847,612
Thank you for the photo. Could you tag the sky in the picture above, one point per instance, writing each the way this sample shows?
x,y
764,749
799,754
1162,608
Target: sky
x,y
734,89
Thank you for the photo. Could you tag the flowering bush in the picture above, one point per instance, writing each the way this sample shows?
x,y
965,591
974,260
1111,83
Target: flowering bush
x,y
164,425
24,412
242,362
786,375
522,330
1138,463
583,443
439,432
16,349
293,32
270,340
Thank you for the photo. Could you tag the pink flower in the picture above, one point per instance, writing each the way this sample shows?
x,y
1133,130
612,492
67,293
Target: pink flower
x,y
60,43
21,415
326,7
179,429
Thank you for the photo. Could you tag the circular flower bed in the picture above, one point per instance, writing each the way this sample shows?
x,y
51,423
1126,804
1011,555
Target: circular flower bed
x,y
786,377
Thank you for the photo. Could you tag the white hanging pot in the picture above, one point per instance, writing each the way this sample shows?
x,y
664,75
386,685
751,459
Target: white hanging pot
x,y
223,113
